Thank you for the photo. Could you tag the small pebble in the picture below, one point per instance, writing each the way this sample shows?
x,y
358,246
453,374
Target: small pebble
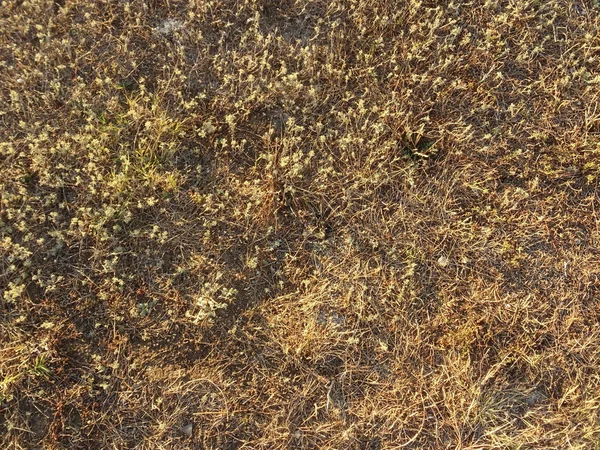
x,y
187,430
443,261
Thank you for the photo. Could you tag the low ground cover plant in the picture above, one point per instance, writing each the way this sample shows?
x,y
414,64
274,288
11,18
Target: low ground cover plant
x,y
358,224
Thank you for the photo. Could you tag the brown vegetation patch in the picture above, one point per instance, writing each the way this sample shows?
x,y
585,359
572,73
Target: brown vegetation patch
x,y
320,224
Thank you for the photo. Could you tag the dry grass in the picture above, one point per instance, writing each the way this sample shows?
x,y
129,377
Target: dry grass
x,y
345,224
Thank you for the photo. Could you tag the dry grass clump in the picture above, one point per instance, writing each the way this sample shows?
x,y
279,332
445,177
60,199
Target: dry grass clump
x,y
299,224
